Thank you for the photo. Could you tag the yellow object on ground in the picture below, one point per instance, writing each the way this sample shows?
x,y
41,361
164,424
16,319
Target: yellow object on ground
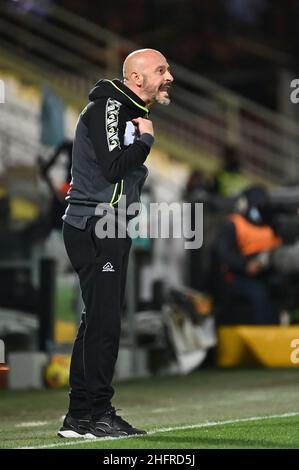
x,y
269,346
58,371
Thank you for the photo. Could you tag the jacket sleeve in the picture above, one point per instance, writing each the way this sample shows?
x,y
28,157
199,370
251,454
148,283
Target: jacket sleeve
x,y
227,249
106,127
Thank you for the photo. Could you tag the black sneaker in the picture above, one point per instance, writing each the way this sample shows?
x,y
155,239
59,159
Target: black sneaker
x,y
110,424
73,427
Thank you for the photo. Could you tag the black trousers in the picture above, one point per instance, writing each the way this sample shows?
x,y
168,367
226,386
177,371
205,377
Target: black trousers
x,y
101,265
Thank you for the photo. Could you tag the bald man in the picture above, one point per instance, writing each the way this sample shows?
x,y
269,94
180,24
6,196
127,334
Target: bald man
x,y
112,141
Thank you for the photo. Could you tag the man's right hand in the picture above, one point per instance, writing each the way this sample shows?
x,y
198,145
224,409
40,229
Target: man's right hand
x,y
144,126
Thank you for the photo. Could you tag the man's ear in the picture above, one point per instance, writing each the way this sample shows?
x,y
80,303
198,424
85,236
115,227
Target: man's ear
x,y
137,78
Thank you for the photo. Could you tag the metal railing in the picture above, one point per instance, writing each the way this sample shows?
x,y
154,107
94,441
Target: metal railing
x,y
71,53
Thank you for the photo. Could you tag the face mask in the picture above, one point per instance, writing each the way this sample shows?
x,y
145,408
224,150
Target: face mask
x,y
254,215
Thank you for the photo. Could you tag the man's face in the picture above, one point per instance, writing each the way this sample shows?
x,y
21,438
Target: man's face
x,y
157,80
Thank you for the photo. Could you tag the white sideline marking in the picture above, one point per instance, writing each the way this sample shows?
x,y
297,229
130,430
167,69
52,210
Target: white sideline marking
x,y
156,431
31,424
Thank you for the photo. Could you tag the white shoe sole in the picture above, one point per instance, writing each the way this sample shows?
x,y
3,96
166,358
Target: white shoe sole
x,y
75,435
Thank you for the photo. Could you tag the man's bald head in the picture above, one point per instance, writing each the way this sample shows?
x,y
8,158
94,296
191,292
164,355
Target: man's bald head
x,y
146,73
138,60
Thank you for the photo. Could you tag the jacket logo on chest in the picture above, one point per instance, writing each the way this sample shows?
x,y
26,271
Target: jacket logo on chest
x,y
112,113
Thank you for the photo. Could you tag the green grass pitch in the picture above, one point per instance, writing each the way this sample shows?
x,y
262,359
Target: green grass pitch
x,y
218,409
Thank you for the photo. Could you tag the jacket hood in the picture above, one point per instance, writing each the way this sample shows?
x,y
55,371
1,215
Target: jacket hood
x,y
117,90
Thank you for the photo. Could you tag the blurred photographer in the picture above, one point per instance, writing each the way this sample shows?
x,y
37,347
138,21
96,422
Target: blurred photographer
x,y
243,247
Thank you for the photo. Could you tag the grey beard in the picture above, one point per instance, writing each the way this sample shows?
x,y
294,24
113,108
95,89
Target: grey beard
x,y
164,102
150,92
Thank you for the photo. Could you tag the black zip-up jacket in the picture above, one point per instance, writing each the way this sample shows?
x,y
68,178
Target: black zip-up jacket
x,y
108,157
